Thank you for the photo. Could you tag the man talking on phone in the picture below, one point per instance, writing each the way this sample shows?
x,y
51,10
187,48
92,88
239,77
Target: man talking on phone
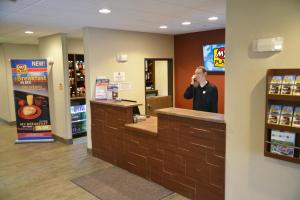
x,y
203,93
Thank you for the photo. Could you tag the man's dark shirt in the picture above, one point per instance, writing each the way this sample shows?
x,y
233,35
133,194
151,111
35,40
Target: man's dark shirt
x,y
204,98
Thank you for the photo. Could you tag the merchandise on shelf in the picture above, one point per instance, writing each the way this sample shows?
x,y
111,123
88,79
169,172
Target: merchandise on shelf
x,y
296,118
288,85
274,114
275,85
286,115
283,143
297,86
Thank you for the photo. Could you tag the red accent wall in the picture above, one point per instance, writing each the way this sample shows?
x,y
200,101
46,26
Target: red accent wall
x,y
188,54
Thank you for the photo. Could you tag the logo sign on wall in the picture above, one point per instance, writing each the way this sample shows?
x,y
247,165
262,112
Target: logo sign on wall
x,y
30,85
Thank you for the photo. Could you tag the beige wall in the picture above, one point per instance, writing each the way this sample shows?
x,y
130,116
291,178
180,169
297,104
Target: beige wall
x,y
250,175
54,47
75,46
101,48
161,77
7,52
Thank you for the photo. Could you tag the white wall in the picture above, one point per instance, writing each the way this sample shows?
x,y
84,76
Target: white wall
x,y
54,47
11,51
101,48
250,175
161,77
75,46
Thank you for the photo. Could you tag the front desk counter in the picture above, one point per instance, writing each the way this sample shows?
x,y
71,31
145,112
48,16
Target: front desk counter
x,y
182,150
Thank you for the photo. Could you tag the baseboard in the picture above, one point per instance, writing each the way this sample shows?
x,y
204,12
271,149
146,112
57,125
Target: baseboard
x,y
12,123
89,151
63,140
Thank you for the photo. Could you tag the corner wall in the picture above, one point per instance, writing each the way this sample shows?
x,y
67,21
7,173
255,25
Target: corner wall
x,y
101,48
55,48
250,175
7,52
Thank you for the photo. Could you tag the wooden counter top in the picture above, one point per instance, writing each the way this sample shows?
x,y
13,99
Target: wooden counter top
x,y
116,103
149,126
193,114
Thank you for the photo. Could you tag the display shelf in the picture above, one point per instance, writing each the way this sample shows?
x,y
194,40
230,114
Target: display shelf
x,y
295,147
284,100
283,128
76,75
280,157
150,74
80,120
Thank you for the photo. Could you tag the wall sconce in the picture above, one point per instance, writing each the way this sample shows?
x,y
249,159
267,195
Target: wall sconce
x,y
268,44
121,58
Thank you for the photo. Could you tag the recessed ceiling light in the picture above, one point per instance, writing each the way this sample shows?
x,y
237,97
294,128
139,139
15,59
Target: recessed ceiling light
x,y
213,18
163,27
186,23
29,32
104,11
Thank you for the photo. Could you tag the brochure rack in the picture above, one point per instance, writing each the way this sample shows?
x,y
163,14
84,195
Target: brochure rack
x,y
284,100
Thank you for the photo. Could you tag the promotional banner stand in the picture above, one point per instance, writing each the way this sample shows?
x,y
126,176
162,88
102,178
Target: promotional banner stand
x,y
30,84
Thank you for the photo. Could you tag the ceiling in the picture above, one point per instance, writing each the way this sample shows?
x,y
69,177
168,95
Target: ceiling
x,y
46,17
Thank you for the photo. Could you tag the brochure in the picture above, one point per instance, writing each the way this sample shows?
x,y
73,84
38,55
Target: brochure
x,y
275,85
274,114
112,91
282,143
297,86
286,116
101,88
288,85
296,118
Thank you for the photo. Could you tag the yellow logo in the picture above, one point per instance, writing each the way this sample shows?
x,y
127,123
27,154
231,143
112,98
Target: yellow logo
x,y
219,57
21,69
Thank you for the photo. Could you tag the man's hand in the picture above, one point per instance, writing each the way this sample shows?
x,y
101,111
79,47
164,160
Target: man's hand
x,y
194,81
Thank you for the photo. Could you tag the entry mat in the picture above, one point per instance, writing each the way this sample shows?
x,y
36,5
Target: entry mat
x,y
114,183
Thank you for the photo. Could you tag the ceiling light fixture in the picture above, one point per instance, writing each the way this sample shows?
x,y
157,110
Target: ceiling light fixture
x,y
213,18
186,23
29,32
163,27
104,11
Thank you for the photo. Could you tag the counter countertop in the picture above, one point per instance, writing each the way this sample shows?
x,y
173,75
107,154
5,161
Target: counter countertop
x,y
193,114
116,103
149,126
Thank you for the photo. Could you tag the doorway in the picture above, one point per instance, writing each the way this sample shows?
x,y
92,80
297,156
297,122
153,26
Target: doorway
x,y
158,84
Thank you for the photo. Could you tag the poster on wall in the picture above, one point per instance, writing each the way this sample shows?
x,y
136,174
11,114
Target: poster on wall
x,y
30,87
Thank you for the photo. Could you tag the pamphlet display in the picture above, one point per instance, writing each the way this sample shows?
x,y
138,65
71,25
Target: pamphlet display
x,y
282,126
30,85
296,118
297,86
112,91
105,90
288,85
275,85
101,88
285,85
286,115
274,114
282,143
